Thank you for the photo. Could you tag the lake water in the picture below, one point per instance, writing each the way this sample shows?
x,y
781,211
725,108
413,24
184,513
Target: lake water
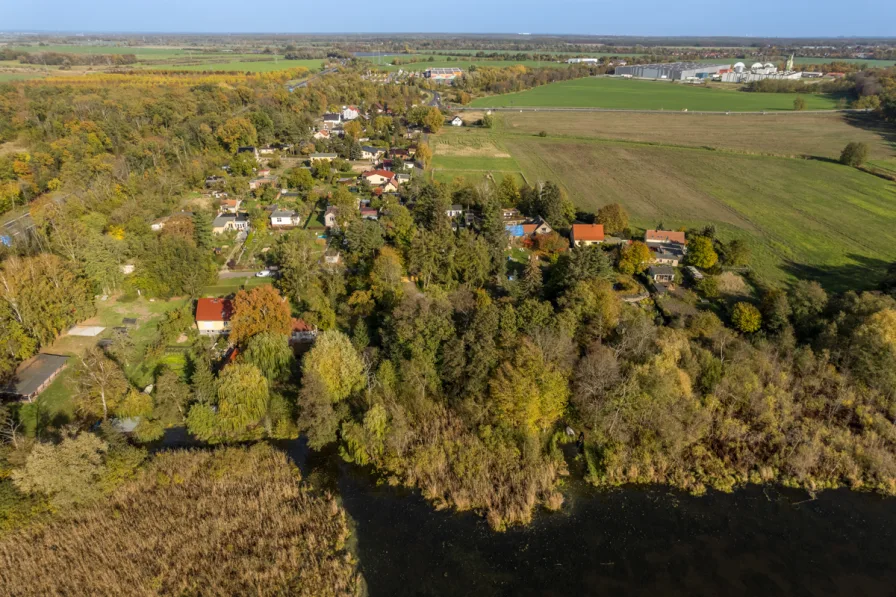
x,y
633,541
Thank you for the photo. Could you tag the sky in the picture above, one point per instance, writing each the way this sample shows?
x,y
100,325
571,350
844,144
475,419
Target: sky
x,y
773,18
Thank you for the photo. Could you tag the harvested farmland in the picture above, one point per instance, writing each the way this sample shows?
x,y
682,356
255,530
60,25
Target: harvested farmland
x,y
802,218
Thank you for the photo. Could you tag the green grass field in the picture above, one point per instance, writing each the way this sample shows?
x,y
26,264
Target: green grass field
x,y
469,155
227,286
187,59
598,92
869,63
6,77
255,66
803,218
474,163
156,52
465,64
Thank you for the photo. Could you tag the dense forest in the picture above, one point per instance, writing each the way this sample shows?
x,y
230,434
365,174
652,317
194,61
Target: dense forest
x,y
440,363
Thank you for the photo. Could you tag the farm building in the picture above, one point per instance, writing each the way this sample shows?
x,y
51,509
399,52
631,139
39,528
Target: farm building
x,y
582,61
34,376
442,74
673,71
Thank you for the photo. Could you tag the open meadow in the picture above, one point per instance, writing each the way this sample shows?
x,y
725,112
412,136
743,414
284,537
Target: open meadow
x,y
474,157
809,218
465,63
789,134
169,58
628,94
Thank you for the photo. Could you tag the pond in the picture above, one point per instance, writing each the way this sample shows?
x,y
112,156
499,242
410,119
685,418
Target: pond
x,y
632,541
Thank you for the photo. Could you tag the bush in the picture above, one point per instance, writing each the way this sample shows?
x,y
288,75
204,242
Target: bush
x,y
543,134
854,154
746,318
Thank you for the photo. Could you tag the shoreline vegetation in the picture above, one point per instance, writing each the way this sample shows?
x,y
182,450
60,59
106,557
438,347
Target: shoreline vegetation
x,y
417,336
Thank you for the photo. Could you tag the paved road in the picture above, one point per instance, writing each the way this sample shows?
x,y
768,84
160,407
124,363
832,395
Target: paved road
x,y
306,81
436,99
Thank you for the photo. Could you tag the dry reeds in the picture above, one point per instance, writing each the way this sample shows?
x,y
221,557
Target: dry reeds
x,y
235,521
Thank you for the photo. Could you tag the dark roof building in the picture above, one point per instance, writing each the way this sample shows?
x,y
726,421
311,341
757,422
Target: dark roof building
x,y
35,375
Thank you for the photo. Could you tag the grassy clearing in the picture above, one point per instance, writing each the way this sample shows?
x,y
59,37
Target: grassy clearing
x,y
803,218
226,286
474,163
599,92
53,407
822,135
473,155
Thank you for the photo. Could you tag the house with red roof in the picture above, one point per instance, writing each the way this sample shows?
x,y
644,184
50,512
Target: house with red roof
x,y
378,177
657,238
587,234
213,316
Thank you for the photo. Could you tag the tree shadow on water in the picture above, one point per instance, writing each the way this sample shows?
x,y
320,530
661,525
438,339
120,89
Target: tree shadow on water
x,y
861,273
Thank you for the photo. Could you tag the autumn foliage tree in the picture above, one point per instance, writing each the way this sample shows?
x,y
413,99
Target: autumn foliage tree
x,y
701,253
746,317
529,392
236,132
634,258
614,218
261,309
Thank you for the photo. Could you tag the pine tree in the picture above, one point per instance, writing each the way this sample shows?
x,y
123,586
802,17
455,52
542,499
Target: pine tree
x,y
532,278
202,229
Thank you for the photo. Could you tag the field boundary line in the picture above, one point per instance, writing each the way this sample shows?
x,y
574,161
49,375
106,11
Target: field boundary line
x,y
682,112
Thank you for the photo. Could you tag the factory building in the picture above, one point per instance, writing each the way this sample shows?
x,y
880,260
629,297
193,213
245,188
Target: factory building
x,y
673,71
442,74
739,73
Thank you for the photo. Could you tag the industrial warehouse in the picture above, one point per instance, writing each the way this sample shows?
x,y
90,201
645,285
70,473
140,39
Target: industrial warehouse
x,y
673,71
739,73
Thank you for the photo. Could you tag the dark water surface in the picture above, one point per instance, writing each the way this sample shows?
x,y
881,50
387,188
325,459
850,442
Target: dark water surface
x,y
634,541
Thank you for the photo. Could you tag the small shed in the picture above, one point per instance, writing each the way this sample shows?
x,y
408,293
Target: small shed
x,y
34,376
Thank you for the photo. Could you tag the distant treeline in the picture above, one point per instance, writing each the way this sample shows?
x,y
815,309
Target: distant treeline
x,y
492,80
64,59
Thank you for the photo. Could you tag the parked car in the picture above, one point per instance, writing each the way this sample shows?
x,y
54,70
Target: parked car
x,y
265,273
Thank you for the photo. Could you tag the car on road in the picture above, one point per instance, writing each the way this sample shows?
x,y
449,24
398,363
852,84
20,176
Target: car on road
x,y
265,273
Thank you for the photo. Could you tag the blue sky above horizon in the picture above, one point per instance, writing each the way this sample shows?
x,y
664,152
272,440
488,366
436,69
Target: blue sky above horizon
x,y
761,18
